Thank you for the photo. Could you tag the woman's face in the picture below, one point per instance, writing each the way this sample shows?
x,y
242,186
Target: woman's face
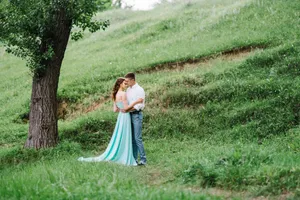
x,y
123,85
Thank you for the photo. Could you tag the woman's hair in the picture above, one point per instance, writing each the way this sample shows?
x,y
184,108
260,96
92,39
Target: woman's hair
x,y
116,87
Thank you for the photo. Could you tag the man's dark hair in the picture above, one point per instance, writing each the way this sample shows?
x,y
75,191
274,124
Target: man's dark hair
x,y
130,75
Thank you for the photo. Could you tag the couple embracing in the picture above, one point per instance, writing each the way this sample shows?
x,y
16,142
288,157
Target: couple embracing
x,y
126,142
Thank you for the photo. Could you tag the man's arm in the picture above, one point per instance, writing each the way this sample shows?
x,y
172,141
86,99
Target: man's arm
x,y
130,110
131,106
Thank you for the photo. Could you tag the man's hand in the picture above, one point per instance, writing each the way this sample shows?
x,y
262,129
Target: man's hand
x,y
123,110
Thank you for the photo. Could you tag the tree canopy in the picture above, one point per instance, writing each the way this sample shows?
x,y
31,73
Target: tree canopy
x,y
28,28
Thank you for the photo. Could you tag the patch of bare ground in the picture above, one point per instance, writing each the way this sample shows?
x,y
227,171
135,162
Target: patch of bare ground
x,y
68,111
233,54
154,178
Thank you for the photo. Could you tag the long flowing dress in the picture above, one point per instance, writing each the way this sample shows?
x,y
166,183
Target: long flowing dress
x,y
119,149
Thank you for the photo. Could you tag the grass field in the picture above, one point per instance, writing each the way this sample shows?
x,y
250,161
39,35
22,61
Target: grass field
x,y
221,119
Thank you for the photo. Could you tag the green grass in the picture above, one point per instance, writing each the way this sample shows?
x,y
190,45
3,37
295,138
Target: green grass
x,y
82,180
224,127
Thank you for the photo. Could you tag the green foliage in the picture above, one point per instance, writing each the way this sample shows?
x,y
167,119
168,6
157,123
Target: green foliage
x,y
243,168
104,5
244,101
23,116
229,122
19,155
91,132
28,28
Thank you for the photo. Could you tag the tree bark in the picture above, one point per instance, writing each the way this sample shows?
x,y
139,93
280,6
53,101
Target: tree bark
x,y
43,130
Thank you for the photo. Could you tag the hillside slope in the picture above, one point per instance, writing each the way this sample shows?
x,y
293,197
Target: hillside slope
x,y
223,92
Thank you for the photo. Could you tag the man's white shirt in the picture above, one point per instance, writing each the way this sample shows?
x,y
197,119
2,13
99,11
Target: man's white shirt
x,y
134,93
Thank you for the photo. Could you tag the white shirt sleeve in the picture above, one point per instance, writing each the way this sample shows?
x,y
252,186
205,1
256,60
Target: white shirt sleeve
x,y
140,93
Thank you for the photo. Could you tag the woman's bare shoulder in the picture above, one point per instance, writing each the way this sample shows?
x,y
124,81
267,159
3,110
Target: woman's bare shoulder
x,y
120,95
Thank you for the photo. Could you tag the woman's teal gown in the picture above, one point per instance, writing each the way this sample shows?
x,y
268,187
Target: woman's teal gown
x,y
119,149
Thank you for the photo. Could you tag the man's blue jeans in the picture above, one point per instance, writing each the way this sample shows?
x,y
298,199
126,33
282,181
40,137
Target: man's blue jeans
x,y
137,143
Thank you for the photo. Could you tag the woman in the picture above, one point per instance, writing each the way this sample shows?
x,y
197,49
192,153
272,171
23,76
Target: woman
x,y
119,149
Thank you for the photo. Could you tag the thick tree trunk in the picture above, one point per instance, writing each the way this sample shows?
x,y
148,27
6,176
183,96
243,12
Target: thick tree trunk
x,y
43,131
42,118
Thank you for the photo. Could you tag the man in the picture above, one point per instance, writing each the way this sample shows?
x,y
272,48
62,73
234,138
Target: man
x,y
135,92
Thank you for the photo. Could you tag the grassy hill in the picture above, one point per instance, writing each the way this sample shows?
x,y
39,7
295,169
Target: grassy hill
x,y
223,106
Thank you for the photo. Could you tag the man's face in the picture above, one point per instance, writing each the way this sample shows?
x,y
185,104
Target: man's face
x,y
129,82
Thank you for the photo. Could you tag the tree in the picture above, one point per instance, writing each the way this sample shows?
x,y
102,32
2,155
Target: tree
x,y
104,4
38,31
117,3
